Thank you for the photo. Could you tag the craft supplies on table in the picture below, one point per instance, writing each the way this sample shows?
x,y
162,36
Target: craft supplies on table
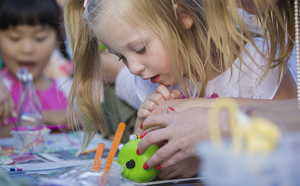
x,y
31,141
29,107
83,175
258,153
61,143
109,173
58,156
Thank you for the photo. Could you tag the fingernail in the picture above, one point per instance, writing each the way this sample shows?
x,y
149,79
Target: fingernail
x,y
171,108
6,121
137,152
141,126
158,167
172,96
143,135
14,114
145,166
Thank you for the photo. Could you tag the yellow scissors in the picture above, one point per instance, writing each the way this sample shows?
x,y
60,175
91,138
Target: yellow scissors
x,y
252,135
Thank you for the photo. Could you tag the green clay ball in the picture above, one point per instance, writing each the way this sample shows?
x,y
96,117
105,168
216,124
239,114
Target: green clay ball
x,y
133,163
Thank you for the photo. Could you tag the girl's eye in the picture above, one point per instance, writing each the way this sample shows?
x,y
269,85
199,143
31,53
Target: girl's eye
x,y
40,39
15,39
121,58
141,51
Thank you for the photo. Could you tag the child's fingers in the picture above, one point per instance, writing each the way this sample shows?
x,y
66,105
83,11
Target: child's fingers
x,y
176,158
6,103
11,107
155,97
143,114
6,112
164,92
176,94
158,110
163,153
170,110
151,138
148,105
6,108
146,108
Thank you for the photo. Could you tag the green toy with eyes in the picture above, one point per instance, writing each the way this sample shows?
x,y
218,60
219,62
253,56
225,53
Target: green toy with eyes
x,y
133,163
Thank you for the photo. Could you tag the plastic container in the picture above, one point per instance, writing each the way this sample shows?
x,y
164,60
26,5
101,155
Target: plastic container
x,y
29,107
83,175
222,167
31,141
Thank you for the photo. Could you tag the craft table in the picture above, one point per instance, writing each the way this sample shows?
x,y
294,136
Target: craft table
x,y
59,155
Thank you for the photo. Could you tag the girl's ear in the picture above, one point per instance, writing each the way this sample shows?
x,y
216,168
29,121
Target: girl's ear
x,y
184,16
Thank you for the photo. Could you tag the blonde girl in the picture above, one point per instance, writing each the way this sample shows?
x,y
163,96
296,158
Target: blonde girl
x,y
163,41
84,24
276,18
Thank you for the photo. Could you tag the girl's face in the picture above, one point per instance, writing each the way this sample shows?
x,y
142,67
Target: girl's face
x,y
27,46
142,50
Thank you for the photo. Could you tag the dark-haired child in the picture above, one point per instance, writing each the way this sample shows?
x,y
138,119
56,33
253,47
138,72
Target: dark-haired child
x,y
30,31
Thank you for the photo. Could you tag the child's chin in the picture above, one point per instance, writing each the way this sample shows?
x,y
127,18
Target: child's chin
x,y
167,84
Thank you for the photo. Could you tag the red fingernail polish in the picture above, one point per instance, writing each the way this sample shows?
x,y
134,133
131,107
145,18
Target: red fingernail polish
x,y
171,108
143,135
158,167
145,166
137,152
141,126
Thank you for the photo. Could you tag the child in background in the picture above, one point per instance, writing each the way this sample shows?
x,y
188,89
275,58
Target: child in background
x,y
29,33
164,42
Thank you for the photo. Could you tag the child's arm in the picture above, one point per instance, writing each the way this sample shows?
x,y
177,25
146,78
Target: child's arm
x,y
7,106
287,88
184,169
137,127
56,117
183,130
188,123
160,95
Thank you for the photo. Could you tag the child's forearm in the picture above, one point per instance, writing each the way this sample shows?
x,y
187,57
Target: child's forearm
x,y
242,102
284,112
7,106
55,117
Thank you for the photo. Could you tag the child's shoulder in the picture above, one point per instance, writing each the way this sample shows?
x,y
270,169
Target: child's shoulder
x,y
254,54
4,73
259,47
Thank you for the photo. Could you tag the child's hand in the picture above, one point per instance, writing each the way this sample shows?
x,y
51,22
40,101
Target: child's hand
x,y
187,168
160,95
7,106
56,117
180,141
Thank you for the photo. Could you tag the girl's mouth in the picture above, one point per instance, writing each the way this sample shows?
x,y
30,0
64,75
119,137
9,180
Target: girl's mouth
x,y
155,79
28,65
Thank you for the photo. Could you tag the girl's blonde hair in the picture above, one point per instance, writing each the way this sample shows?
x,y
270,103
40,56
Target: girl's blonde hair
x,y
84,105
277,24
194,53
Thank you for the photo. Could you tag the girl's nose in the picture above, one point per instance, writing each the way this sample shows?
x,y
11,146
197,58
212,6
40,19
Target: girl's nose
x,y
27,46
135,66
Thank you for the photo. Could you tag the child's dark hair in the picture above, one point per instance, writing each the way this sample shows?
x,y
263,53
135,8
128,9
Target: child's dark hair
x,y
33,12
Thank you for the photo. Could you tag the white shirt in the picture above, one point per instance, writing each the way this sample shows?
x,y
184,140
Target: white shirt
x,y
232,83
